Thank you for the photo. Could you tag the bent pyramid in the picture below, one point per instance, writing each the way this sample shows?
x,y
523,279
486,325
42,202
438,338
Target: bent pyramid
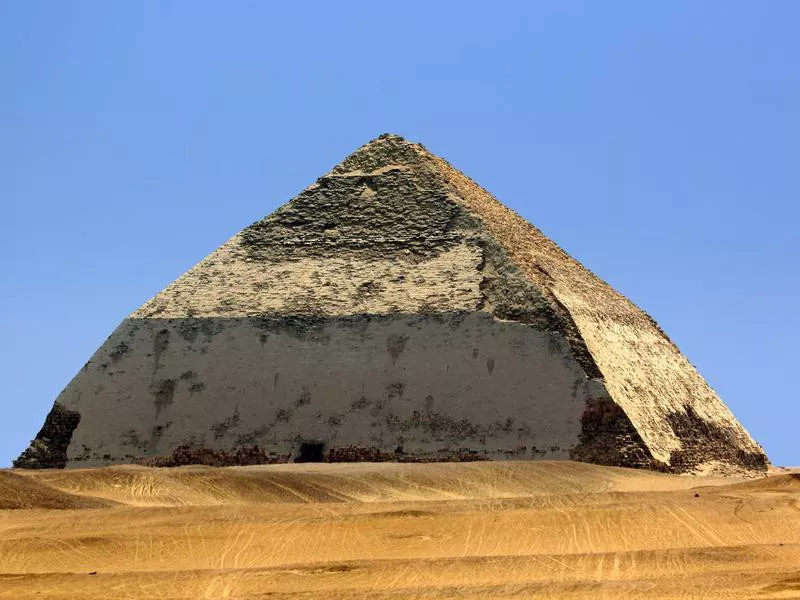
x,y
394,310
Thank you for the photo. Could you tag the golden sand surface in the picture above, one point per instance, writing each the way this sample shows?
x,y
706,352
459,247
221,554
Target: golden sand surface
x,y
380,531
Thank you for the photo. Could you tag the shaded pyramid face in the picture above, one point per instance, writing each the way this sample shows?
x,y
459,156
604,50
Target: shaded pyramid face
x,y
394,310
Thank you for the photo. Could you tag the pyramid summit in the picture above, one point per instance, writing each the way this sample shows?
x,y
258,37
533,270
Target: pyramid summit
x,y
393,310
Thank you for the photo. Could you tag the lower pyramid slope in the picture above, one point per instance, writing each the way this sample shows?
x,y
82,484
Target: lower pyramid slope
x,y
394,310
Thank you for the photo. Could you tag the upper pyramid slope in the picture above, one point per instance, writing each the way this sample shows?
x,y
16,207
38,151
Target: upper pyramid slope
x,y
396,232
384,237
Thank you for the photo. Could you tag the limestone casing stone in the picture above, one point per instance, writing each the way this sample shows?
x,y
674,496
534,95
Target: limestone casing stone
x,y
395,306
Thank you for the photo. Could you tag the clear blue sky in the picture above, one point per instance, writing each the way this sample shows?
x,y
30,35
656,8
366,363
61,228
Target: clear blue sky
x,y
658,143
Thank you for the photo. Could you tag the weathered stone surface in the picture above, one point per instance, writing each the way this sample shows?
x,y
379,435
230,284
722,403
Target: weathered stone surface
x,y
434,384
49,449
394,310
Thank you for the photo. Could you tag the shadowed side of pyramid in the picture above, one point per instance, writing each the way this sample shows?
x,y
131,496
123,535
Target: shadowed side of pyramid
x,y
393,310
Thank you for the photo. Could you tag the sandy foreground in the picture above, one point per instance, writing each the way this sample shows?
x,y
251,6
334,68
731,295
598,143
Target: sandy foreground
x,y
457,530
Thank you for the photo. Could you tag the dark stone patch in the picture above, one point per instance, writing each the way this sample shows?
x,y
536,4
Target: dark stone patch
x,y
193,454
406,215
310,328
395,344
186,375
188,329
251,437
395,390
703,441
221,429
608,437
155,435
283,415
304,301
160,344
48,450
377,408
490,364
163,392
225,305
444,427
524,432
377,454
118,352
360,404
131,437
367,290
196,388
553,347
453,319
304,398
211,327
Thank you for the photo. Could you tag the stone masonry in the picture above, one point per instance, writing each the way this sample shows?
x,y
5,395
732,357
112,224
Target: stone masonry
x,y
393,310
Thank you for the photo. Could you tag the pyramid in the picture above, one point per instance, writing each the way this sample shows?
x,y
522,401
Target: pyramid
x,y
393,310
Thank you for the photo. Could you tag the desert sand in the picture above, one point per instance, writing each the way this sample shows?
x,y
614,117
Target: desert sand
x,y
548,529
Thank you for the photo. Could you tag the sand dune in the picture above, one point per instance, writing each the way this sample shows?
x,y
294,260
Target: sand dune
x,y
455,530
17,492
351,482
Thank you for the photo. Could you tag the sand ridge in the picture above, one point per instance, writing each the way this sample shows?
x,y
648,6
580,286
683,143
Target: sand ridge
x,y
539,529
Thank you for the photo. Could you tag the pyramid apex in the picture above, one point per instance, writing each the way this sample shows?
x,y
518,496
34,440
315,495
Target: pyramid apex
x,y
388,149
393,139
397,139
392,136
